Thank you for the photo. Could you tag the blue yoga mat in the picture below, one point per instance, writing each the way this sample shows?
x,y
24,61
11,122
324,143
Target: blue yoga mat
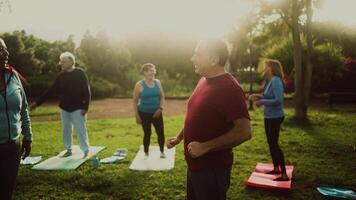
x,y
337,192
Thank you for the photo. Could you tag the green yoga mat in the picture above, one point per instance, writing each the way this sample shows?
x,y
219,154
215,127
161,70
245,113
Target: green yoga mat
x,y
67,163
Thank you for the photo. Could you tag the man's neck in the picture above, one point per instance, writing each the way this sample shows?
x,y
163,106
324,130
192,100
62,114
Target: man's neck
x,y
216,72
69,69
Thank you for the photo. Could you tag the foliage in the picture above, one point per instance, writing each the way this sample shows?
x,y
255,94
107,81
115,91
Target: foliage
x,y
112,65
327,61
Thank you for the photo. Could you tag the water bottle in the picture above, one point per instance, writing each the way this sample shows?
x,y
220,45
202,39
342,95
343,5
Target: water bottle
x,y
96,162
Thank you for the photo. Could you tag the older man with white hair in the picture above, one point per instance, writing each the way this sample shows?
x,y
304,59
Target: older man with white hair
x,y
73,88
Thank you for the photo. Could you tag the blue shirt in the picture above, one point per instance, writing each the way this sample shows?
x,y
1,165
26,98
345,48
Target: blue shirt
x,y
273,98
150,97
14,118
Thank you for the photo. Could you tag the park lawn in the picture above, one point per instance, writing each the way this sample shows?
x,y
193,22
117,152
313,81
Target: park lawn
x,y
51,110
323,153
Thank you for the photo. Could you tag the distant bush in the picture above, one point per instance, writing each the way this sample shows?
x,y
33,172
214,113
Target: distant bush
x,y
39,84
101,88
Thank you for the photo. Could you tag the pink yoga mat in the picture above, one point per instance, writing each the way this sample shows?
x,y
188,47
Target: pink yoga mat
x,y
259,178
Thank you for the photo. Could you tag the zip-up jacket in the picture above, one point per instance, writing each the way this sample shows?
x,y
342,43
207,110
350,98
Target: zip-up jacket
x,y
273,98
14,117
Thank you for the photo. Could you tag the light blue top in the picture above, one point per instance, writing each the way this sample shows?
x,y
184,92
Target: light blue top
x,y
14,118
273,98
150,97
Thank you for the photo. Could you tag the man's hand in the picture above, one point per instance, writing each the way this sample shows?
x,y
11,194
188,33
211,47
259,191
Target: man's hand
x,y
33,106
157,113
171,142
84,112
254,97
258,104
25,148
197,149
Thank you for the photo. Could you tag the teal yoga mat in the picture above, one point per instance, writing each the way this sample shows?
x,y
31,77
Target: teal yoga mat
x,y
337,192
67,163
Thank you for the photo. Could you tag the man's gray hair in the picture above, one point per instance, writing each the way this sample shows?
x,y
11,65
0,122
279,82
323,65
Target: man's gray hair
x,y
69,55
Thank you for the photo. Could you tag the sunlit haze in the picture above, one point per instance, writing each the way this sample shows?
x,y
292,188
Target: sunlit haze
x,y
57,19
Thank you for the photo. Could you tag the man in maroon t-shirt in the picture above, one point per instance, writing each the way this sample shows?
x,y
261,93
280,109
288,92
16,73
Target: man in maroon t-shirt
x,y
216,121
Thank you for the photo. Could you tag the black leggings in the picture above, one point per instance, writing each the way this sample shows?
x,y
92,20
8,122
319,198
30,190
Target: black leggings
x,y
272,127
147,120
9,166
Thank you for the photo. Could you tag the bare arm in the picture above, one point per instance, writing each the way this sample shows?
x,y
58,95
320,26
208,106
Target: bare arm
x,y
171,142
135,97
162,99
240,133
158,112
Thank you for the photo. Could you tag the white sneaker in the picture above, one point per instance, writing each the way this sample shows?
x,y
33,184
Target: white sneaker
x,y
86,153
163,155
146,156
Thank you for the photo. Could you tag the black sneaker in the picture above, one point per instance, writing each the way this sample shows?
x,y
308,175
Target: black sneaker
x,y
67,154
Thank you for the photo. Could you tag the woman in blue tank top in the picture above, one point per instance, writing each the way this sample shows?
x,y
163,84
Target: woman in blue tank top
x,y
148,101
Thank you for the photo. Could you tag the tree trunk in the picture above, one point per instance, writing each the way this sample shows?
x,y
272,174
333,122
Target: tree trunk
x,y
300,106
309,66
234,62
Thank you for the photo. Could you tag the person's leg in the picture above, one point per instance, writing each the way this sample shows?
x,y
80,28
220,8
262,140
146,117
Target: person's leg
x,y
211,184
275,129
146,119
67,130
271,139
9,166
159,127
190,189
79,122
223,181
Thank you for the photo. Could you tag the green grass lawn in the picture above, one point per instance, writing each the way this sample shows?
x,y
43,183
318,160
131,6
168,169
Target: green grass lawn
x,y
50,111
45,111
323,153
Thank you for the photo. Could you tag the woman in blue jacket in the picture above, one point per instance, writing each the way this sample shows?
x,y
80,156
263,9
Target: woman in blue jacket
x,y
272,99
14,119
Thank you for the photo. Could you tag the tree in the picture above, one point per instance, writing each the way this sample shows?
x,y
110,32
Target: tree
x,y
300,106
309,66
290,13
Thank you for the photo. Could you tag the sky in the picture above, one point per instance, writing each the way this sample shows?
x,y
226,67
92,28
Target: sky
x,y
57,19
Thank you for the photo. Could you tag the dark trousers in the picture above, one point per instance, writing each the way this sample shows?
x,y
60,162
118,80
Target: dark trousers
x,y
210,184
147,120
9,166
272,128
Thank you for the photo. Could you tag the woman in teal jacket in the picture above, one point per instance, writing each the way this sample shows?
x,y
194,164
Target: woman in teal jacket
x,y
14,120
272,99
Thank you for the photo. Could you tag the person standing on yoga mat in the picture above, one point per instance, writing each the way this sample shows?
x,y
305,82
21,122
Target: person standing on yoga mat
x,y
72,85
14,119
272,100
148,101
216,121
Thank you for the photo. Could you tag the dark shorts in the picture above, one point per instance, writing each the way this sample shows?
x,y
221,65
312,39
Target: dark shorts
x,y
209,184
